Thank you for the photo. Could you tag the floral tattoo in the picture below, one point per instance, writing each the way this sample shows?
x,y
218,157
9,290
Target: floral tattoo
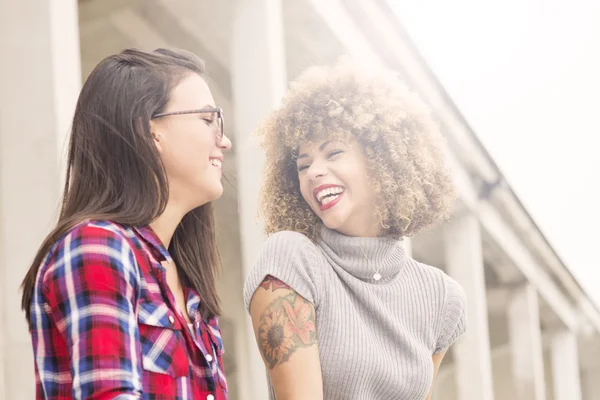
x,y
287,325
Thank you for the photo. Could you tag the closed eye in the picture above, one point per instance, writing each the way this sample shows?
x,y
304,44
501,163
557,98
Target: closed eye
x,y
330,155
334,153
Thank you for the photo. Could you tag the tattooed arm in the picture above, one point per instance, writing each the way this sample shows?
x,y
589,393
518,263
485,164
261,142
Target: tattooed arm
x,y
284,325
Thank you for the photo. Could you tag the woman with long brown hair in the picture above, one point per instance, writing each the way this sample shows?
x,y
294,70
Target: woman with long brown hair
x,y
120,298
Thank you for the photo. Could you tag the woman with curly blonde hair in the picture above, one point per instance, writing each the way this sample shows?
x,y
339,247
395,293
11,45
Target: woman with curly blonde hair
x,y
354,163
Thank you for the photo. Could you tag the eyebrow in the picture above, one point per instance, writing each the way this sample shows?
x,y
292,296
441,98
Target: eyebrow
x,y
321,147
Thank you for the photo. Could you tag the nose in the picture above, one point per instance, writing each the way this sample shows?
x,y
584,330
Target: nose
x,y
316,170
225,143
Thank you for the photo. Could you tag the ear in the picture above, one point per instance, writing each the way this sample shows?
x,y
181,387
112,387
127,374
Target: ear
x,y
156,136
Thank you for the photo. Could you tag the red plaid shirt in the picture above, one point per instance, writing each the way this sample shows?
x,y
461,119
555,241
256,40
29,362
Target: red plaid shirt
x,y
105,325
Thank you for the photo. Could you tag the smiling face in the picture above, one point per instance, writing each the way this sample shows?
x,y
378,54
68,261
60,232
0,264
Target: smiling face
x,y
190,145
334,182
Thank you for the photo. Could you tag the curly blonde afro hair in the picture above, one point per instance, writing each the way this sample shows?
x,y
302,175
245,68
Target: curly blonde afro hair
x,y
402,145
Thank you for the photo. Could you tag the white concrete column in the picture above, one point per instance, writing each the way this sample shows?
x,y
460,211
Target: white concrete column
x,y
259,82
526,344
464,261
591,383
565,366
40,80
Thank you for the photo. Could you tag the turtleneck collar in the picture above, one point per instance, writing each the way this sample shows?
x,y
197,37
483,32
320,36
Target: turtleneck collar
x,y
386,255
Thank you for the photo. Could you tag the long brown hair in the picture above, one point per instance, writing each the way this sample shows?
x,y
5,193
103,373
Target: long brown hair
x,y
114,171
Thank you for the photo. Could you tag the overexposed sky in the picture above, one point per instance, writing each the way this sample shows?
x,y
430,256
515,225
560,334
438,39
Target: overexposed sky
x,y
526,76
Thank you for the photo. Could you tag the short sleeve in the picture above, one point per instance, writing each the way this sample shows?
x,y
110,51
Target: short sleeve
x,y
455,315
290,257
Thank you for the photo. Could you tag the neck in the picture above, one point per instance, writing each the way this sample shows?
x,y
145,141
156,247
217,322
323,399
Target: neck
x,y
361,230
164,226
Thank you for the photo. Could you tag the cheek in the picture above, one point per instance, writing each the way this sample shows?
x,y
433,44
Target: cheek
x,y
199,145
304,189
190,154
187,156
358,179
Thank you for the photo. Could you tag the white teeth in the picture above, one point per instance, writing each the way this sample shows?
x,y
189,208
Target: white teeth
x,y
330,199
215,162
327,192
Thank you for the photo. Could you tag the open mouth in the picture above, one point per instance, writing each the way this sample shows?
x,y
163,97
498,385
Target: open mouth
x,y
216,162
328,195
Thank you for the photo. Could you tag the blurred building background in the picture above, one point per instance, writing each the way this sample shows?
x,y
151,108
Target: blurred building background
x,y
533,332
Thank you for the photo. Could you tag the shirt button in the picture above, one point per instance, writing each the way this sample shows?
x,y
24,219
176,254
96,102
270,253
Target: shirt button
x,y
209,358
210,397
171,319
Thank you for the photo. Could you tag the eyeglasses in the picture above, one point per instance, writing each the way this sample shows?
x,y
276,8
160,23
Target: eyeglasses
x,y
219,111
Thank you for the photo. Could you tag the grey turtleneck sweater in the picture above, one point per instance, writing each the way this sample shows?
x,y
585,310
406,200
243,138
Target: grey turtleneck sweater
x,y
375,338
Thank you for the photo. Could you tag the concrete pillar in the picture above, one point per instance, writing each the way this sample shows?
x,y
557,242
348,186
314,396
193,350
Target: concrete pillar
x,y
464,261
526,344
565,366
40,80
259,82
591,383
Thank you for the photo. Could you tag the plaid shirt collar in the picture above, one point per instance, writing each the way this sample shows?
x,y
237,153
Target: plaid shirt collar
x,y
160,252
157,247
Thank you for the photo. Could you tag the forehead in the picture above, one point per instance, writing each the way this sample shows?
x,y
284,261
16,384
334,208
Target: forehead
x,y
192,92
311,146
316,145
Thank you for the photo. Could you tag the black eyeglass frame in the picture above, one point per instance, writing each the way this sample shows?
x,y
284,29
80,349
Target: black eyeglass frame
x,y
217,110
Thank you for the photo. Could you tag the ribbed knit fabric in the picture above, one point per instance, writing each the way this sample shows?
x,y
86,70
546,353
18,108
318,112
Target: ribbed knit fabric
x,y
375,338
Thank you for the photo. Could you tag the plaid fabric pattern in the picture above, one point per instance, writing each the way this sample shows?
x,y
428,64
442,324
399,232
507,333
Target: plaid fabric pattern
x,y
105,325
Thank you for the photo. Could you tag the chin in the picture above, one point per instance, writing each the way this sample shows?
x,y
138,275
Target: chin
x,y
208,194
215,192
334,222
